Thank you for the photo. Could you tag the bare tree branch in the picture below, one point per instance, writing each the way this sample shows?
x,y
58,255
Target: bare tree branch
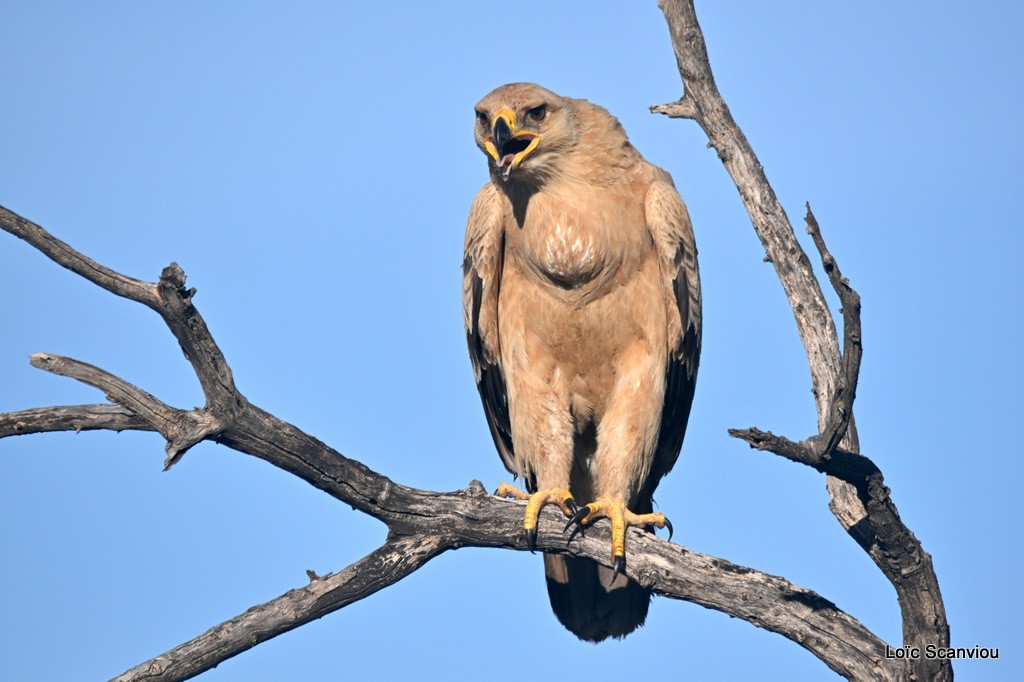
x,y
168,297
702,102
75,418
63,255
385,566
471,517
860,500
181,428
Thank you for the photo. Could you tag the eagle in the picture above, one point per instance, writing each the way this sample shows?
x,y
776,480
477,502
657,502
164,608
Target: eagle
x,y
582,307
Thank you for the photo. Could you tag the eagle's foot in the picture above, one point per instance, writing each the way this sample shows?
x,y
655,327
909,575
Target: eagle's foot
x,y
536,502
621,518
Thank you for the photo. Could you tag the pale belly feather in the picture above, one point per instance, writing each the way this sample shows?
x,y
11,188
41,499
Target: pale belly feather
x,y
572,334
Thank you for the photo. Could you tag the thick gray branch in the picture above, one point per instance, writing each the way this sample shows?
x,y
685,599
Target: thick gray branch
x,y
702,102
432,523
435,522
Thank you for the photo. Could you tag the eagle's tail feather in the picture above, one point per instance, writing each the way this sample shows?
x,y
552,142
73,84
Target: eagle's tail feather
x,y
589,603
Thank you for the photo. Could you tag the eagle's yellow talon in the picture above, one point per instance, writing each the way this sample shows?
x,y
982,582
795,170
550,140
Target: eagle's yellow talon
x,y
508,490
534,503
621,518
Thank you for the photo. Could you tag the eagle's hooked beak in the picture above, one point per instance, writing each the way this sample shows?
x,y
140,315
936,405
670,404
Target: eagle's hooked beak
x,y
507,146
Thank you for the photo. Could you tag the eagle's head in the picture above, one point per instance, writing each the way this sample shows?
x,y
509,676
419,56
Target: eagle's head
x,y
524,129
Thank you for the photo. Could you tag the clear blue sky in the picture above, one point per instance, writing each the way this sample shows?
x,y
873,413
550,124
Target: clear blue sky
x,y
310,166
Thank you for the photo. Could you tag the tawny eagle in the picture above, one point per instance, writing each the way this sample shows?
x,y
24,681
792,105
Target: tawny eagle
x,y
582,306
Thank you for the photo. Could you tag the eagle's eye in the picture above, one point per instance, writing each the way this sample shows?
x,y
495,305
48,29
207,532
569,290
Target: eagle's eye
x,y
481,118
537,114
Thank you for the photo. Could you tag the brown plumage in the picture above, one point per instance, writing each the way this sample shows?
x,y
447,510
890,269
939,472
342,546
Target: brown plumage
x,y
581,301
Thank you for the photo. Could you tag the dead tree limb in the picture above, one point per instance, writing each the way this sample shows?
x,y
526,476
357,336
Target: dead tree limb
x,y
75,418
861,503
421,524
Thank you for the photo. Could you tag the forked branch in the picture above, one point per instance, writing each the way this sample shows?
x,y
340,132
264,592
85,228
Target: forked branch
x,y
860,500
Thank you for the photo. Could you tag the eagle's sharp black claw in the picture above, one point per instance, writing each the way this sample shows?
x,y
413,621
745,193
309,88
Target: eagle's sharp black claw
x,y
577,529
620,567
531,539
576,518
668,524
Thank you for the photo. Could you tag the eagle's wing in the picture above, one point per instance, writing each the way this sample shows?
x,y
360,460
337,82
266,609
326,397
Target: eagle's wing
x,y
669,224
481,279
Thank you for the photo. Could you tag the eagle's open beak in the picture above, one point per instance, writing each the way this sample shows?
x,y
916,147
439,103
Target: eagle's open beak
x,y
507,146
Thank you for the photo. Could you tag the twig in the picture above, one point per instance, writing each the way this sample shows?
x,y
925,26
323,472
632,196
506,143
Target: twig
x,y
840,412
